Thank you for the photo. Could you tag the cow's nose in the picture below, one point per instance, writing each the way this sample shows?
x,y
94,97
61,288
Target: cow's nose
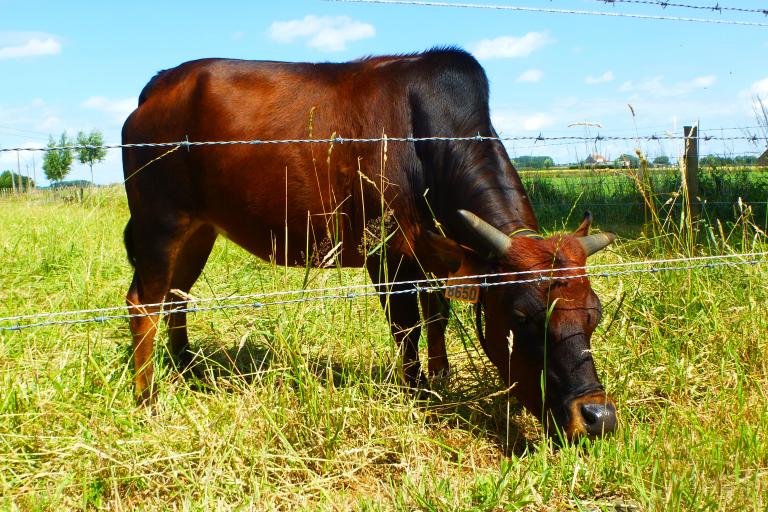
x,y
599,418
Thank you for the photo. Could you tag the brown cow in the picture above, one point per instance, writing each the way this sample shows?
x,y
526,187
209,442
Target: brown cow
x,y
294,202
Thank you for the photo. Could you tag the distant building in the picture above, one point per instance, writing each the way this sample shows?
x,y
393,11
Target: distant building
x,y
595,159
763,159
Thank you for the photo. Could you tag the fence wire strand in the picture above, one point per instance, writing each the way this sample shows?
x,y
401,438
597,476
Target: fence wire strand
x,y
663,4
364,140
353,291
425,3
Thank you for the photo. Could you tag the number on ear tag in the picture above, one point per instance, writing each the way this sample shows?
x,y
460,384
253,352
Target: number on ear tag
x,y
467,293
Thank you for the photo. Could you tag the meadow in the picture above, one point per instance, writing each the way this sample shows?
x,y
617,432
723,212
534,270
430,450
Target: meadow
x,y
300,406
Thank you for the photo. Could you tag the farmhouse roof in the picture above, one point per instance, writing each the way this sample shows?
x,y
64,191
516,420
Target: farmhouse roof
x,y
595,158
763,159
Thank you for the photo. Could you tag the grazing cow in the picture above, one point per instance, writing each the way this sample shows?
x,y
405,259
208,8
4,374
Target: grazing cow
x,y
299,203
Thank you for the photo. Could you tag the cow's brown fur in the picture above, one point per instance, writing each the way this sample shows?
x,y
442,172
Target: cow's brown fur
x,y
280,201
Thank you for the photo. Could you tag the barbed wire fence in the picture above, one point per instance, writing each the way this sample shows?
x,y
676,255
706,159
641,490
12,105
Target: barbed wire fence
x,y
349,292
186,143
664,5
549,10
581,145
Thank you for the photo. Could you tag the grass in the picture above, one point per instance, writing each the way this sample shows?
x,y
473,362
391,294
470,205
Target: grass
x,y
613,195
309,415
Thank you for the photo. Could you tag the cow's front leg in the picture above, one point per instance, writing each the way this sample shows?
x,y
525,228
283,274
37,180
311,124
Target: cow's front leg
x,y
402,310
435,309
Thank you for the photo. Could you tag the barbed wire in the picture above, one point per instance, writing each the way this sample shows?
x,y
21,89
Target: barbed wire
x,y
703,204
426,3
364,140
663,4
352,291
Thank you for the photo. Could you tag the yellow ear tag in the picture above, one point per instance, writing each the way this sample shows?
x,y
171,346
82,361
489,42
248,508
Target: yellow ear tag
x,y
466,290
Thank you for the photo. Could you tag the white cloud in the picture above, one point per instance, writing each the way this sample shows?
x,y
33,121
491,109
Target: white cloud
x,y
703,81
34,119
511,122
17,45
237,35
605,77
652,85
8,159
532,75
49,124
656,86
120,108
510,46
759,88
326,33
537,121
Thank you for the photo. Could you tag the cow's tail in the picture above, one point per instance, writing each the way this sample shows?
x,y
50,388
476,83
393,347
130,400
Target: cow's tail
x,y
128,240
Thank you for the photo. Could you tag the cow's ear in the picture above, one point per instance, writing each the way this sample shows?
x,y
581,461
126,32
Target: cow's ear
x,y
448,252
457,261
583,229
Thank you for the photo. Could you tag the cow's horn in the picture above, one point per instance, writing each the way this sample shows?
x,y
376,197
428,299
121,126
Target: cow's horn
x,y
495,241
593,243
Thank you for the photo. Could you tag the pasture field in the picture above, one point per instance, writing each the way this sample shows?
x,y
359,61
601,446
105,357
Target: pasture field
x,y
615,199
300,407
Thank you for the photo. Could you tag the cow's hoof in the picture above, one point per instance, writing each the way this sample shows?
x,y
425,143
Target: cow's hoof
x,y
440,379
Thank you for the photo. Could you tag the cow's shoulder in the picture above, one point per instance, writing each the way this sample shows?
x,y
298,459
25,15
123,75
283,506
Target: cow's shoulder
x,y
169,77
453,67
449,94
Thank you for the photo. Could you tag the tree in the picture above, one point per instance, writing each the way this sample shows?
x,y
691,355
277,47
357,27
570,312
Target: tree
x,y
715,161
8,179
662,160
534,162
745,160
57,163
91,155
627,161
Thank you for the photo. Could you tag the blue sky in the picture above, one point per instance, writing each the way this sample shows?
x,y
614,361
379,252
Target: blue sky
x,y
80,65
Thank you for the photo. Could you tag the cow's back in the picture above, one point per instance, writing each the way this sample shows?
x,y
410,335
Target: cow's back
x,y
252,192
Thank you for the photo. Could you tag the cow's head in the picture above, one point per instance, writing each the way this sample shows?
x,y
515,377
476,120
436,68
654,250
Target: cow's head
x,y
551,321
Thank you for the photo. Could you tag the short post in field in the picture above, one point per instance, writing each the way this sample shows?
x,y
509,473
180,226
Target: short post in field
x,y
691,170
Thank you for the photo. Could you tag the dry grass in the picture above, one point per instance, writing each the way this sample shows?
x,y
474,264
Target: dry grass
x,y
314,417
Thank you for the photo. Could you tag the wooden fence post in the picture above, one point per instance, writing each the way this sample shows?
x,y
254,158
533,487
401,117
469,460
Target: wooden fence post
x,y
18,173
691,134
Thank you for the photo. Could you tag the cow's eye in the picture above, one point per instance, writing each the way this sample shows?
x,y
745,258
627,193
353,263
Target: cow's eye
x,y
519,315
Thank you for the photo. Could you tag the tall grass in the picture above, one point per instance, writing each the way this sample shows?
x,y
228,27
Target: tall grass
x,y
619,203
300,407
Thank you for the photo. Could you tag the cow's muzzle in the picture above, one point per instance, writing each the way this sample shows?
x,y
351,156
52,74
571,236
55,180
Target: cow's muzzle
x,y
592,415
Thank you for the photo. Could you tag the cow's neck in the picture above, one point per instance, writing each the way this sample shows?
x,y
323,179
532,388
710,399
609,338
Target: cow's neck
x,y
491,189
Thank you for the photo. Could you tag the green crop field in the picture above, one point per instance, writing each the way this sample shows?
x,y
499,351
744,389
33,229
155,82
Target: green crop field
x,y
300,406
615,198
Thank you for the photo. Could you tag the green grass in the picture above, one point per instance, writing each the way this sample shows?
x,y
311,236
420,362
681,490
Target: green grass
x,y
316,418
613,196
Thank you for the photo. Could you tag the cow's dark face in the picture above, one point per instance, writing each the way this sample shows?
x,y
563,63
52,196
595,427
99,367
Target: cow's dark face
x,y
538,333
538,336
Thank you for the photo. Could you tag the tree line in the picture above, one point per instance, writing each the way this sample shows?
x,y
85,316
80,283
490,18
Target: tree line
x,y
57,163
631,161
13,181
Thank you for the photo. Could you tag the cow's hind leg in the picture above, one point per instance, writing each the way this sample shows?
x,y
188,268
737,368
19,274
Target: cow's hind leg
x,y
435,310
190,262
152,248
